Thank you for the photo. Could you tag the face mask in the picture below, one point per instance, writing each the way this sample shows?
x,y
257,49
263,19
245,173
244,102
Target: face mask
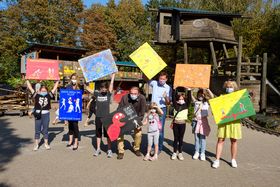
x,y
103,93
162,82
133,97
74,81
43,93
153,110
229,90
181,102
200,98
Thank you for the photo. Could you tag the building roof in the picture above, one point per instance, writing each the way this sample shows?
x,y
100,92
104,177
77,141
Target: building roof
x,y
195,12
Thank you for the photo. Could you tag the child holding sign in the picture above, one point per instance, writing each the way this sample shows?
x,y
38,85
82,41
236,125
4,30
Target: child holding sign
x,y
230,130
154,126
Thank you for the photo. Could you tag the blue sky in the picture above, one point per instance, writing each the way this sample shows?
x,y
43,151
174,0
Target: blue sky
x,y
88,3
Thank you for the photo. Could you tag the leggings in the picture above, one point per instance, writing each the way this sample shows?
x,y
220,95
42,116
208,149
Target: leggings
x,y
73,128
90,114
178,132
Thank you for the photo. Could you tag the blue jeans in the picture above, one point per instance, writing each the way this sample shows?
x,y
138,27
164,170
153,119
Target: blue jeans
x,y
161,133
200,143
42,125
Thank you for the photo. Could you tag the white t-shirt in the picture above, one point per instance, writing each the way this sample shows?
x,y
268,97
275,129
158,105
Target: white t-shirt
x,y
204,109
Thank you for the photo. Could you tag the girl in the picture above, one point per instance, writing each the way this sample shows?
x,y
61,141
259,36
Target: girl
x,y
42,112
200,124
102,108
73,126
154,126
181,105
230,130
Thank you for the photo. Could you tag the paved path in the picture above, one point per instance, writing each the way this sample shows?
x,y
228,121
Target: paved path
x,y
258,161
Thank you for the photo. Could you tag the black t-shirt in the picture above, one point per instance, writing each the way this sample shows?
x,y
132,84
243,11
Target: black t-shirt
x,y
102,103
43,102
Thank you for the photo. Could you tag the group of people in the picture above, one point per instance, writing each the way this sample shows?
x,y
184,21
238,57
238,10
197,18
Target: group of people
x,y
152,116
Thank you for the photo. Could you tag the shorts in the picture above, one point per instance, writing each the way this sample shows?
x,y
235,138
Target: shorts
x,y
153,138
99,128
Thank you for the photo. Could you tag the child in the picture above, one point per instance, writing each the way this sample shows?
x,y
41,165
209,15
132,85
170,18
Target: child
x,y
200,125
154,126
181,105
230,130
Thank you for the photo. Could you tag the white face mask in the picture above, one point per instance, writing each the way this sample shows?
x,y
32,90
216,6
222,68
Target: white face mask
x,y
200,98
133,97
162,82
153,110
229,90
181,102
74,81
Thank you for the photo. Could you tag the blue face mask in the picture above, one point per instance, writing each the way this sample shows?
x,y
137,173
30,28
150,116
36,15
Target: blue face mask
x,y
133,97
44,94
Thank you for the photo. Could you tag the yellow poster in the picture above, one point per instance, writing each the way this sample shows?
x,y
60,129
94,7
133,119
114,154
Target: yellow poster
x,y
148,60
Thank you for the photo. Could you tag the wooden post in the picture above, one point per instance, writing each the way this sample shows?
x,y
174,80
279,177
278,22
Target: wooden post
x,y
235,50
225,50
214,57
185,53
257,61
239,61
263,86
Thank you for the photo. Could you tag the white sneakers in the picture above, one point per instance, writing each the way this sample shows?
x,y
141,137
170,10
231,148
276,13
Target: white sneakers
x,y
196,155
174,156
180,156
97,152
216,164
109,154
202,157
36,147
47,146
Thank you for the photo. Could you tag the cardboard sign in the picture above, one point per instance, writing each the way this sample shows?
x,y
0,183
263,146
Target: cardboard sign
x,y
148,60
70,105
42,69
121,121
98,65
231,107
192,75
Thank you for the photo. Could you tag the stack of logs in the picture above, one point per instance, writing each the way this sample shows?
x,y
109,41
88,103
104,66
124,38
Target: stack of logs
x,y
14,101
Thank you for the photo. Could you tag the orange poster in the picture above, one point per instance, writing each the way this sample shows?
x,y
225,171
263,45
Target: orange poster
x,y
192,75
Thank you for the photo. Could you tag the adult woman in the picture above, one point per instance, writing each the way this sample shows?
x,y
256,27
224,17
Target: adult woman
x,y
73,127
41,112
230,130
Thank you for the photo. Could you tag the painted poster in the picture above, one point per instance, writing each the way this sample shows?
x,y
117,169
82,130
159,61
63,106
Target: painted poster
x,y
233,106
192,75
121,121
98,65
42,69
70,105
148,60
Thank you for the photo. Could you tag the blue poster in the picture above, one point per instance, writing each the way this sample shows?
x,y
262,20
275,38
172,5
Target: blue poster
x,y
98,65
70,105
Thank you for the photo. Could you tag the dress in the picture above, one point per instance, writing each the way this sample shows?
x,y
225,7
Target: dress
x,y
230,130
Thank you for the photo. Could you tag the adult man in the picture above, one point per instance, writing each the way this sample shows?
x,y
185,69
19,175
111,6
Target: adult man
x,y
138,102
161,95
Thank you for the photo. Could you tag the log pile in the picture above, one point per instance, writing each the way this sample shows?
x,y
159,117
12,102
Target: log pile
x,y
14,101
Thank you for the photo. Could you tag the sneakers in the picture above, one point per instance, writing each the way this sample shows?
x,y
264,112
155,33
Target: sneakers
x,y
233,163
154,158
97,152
36,147
202,157
147,157
120,156
196,155
180,156
109,154
174,156
216,164
47,147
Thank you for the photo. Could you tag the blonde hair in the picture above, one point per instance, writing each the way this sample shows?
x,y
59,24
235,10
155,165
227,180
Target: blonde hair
x,y
231,83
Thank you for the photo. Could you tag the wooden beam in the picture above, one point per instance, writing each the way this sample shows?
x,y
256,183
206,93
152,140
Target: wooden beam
x,y
250,74
185,52
257,62
225,50
239,61
213,56
235,50
263,84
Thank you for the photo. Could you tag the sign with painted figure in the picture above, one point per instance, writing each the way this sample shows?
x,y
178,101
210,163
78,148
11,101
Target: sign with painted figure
x,y
70,105
121,121
98,65
42,69
231,107
192,75
148,60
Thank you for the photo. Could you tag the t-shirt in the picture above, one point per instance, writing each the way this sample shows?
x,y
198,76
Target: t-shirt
x,y
204,108
43,102
153,121
102,104
157,93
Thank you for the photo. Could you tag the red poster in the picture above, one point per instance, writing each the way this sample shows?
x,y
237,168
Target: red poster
x,y
42,69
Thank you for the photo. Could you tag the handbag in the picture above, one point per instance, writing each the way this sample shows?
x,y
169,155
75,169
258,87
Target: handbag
x,y
194,122
172,123
38,115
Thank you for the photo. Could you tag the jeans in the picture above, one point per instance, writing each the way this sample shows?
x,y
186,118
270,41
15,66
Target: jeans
x,y
137,141
161,134
42,125
200,143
